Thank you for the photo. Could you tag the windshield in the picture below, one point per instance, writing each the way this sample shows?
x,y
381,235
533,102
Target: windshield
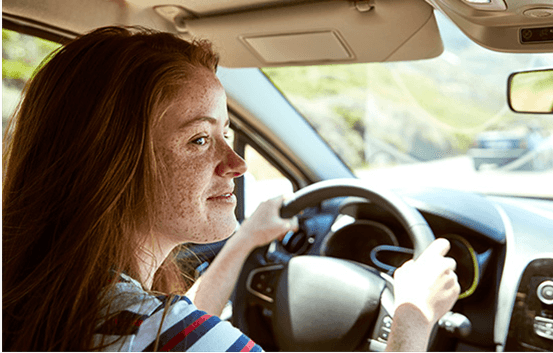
x,y
441,122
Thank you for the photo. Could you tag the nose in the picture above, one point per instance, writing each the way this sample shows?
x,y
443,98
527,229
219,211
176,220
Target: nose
x,y
231,164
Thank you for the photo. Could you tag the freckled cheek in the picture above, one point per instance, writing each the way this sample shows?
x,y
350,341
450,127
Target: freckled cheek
x,y
187,181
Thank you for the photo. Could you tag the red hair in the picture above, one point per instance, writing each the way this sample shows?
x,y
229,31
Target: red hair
x,y
80,176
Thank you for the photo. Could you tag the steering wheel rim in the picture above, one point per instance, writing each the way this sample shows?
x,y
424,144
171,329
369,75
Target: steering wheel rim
x,y
415,225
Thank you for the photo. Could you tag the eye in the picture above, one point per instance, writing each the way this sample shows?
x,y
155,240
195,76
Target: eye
x,y
200,141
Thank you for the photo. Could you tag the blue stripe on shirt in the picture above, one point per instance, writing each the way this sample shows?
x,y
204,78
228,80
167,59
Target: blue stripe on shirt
x,y
256,348
239,344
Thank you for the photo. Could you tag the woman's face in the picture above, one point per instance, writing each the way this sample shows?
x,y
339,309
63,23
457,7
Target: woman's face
x,y
201,166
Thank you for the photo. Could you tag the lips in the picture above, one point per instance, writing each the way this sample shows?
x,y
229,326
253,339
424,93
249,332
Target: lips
x,y
224,194
223,199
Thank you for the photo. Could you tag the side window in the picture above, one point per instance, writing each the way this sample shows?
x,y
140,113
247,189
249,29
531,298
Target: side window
x,y
262,181
21,55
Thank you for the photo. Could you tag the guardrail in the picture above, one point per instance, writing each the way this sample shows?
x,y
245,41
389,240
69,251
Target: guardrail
x,y
542,156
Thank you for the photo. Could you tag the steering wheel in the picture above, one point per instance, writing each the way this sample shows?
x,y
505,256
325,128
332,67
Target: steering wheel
x,y
316,303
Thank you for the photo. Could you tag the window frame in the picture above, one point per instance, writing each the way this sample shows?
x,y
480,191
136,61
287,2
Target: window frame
x,y
241,140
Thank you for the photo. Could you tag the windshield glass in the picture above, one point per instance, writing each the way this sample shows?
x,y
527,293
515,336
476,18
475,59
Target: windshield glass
x,y
441,122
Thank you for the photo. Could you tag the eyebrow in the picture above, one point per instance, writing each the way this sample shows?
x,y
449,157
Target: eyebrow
x,y
199,119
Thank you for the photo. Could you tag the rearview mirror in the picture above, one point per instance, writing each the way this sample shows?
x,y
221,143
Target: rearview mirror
x,y
531,91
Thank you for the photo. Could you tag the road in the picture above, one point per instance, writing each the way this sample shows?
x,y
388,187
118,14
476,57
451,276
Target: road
x,y
458,173
452,173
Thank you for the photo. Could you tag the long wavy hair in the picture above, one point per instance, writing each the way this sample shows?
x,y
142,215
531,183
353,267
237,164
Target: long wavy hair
x,y
80,178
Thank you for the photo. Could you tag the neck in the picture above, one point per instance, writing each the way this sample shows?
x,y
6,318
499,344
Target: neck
x,y
150,257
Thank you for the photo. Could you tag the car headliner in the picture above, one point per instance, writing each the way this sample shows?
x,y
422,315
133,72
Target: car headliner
x,y
246,31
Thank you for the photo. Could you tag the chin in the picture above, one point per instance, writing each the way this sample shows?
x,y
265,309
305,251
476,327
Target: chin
x,y
231,228
221,230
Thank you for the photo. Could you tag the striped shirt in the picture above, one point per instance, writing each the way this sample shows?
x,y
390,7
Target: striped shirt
x,y
136,325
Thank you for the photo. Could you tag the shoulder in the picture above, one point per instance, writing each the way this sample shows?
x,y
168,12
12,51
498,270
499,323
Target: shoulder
x,y
168,323
185,328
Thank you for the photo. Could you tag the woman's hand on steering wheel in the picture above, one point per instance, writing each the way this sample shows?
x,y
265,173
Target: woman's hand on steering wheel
x,y
429,282
265,224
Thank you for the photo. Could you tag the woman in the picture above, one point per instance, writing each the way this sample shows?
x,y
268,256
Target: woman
x,y
119,156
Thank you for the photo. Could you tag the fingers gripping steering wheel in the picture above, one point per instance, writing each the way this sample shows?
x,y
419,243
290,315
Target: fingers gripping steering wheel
x,y
324,303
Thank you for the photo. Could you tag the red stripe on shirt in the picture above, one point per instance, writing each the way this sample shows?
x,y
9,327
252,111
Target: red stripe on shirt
x,y
248,347
181,335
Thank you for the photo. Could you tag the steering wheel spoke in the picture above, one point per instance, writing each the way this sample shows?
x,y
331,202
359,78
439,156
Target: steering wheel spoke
x,y
262,282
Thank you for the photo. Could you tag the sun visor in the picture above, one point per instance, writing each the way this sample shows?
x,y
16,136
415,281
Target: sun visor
x,y
322,32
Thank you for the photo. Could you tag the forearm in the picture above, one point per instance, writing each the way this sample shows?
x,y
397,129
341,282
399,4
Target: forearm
x,y
215,286
410,330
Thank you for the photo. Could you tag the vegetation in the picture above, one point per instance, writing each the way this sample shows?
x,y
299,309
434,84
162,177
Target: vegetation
x,y
22,54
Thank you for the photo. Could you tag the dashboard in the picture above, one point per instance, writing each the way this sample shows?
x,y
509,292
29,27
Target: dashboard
x,y
374,244
503,248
